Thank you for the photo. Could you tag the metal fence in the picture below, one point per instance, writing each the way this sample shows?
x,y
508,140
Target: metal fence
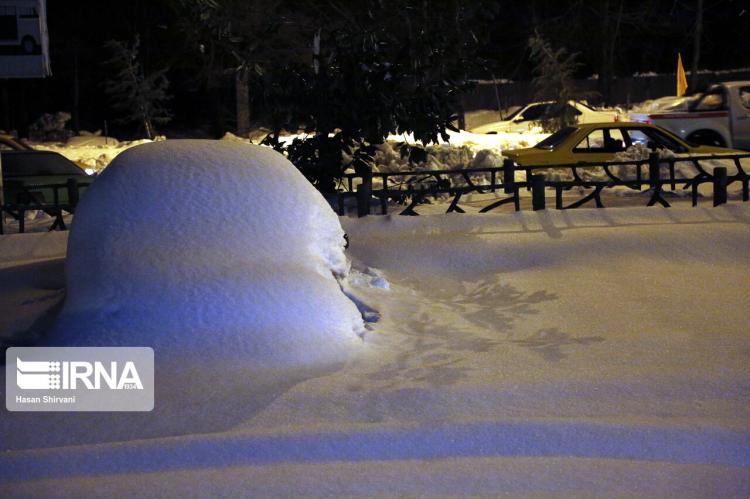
x,y
411,188
55,208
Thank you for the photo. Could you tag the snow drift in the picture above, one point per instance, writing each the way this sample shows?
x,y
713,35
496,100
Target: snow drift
x,y
212,248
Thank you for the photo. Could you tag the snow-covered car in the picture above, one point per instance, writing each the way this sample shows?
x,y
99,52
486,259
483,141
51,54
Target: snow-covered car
x,y
599,142
26,173
10,143
666,103
719,117
530,116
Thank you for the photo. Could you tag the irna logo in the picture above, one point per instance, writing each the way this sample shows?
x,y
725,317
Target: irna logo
x,y
56,375
79,379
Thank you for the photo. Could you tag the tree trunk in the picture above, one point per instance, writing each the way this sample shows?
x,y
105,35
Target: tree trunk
x,y
242,96
609,46
696,45
604,76
149,127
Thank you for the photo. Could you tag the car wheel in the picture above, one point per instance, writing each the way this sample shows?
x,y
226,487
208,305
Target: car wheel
x,y
707,138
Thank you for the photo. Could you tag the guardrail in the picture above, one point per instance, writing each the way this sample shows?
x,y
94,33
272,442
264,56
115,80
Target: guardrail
x,y
56,208
415,186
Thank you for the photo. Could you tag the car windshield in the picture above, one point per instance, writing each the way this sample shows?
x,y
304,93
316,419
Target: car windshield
x,y
556,138
533,113
37,164
513,114
585,105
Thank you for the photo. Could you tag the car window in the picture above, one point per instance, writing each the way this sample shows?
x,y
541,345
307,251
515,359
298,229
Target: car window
x,y
534,113
572,111
654,139
637,136
602,140
37,163
556,138
712,101
615,142
745,97
665,141
593,142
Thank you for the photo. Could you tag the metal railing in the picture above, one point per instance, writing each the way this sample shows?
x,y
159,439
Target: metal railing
x,y
413,187
55,208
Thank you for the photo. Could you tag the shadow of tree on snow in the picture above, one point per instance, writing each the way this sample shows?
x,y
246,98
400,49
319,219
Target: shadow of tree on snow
x,y
451,325
549,343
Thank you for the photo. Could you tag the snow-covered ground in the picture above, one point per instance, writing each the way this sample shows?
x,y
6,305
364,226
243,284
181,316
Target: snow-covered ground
x,y
585,352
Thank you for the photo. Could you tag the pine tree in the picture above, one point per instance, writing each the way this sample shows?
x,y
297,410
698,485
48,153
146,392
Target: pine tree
x,y
554,70
140,96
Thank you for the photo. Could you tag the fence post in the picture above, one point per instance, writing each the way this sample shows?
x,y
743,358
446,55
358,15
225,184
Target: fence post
x,y
364,193
537,192
654,173
73,196
509,176
720,186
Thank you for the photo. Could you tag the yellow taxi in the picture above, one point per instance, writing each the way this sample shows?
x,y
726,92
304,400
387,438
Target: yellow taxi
x,y
600,142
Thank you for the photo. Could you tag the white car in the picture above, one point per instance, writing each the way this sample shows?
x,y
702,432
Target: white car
x,y
530,117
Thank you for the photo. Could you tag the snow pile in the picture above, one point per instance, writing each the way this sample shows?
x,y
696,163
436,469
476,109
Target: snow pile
x,y
388,158
91,151
683,168
476,141
662,104
95,151
209,248
92,140
462,150
638,152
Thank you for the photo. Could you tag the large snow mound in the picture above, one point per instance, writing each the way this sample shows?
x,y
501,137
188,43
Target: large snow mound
x,y
213,248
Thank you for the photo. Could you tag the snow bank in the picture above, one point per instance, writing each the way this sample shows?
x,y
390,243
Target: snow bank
x,y
684,167
93,151
197,247
462,150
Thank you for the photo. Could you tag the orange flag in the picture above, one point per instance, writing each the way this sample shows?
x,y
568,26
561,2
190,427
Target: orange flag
x,y
681,79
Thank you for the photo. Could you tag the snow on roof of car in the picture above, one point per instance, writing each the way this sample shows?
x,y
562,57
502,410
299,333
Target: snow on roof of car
x,y
212,249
